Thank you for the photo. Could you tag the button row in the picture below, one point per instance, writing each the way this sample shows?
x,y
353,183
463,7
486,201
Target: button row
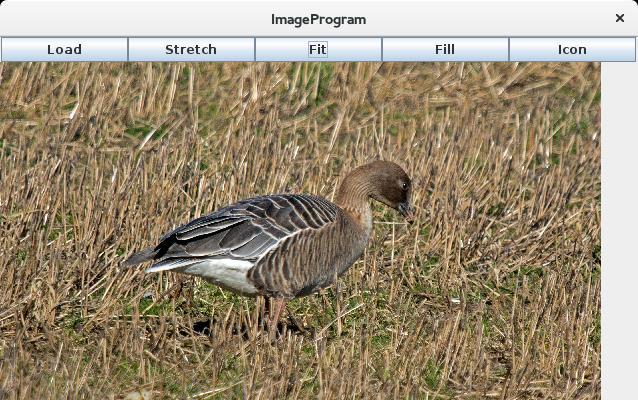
x,y
318,49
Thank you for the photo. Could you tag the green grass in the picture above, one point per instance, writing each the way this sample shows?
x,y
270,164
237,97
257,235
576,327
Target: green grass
x,y
141,130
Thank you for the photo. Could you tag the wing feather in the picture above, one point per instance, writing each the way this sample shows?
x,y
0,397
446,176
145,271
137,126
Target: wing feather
x,y
244,231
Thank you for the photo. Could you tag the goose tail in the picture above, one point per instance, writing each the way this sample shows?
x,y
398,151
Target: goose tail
x,y
140,257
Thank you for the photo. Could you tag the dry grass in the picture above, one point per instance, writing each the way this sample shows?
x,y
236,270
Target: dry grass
x,y
493,292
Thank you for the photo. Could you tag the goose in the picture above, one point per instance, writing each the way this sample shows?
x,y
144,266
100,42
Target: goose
x,y
283,246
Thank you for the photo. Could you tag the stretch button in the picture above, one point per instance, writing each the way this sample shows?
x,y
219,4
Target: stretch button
x,y
191,49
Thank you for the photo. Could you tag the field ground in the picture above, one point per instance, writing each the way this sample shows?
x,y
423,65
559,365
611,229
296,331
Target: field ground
x,y
494,292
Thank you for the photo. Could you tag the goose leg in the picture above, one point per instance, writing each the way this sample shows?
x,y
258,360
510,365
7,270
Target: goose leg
x,y
279,306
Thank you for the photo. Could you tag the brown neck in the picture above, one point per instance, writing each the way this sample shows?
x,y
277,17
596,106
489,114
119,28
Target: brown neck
x,y
353,197
354,191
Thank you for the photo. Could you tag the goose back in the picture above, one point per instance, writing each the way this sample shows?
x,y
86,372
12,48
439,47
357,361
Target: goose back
x,y
272,245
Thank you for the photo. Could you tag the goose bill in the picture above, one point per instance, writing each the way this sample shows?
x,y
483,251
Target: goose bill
x,y
407,211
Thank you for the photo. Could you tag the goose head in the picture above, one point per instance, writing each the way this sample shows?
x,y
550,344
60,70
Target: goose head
x,y
383,181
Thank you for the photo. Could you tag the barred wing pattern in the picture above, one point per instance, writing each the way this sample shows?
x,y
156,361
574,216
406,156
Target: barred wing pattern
x,y
233,239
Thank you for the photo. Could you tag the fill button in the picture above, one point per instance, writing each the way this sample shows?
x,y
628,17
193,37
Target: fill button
x,y
445,49
573,49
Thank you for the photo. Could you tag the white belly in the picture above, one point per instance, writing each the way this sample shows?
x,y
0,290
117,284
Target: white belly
x,y
229,274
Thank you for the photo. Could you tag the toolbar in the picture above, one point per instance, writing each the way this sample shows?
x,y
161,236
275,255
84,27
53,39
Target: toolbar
x,y
211,49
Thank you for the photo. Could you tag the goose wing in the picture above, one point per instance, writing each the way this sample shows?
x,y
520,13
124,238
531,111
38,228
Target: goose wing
x,y
242,232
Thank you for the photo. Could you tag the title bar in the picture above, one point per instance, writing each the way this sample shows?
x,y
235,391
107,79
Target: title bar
x,y
318,18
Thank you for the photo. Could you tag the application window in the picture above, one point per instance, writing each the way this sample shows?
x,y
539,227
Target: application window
x,y
301,199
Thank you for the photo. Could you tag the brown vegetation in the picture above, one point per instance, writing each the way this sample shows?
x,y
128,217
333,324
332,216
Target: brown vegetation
x,y
493,292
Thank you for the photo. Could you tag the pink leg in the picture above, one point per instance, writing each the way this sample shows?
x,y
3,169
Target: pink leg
x,y
279,306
